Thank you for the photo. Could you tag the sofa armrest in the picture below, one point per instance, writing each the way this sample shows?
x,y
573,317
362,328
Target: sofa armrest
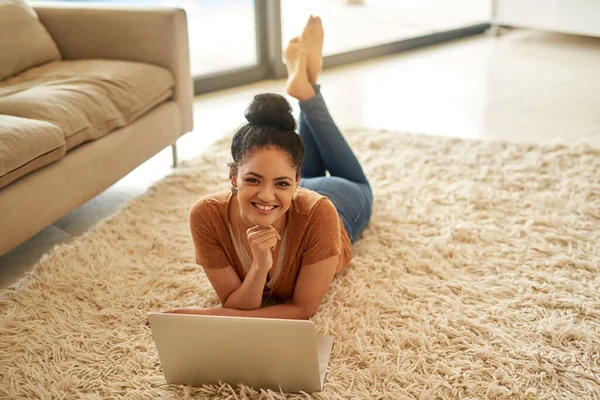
x,y
152,35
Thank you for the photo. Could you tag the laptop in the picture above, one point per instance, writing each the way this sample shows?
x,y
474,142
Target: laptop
x,y
279,354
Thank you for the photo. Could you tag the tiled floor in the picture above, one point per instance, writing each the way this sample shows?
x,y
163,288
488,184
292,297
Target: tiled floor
x,y
522,86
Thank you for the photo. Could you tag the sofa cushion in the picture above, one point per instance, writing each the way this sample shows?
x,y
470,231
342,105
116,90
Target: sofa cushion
x,y
26,145
86,98
22,4
24,41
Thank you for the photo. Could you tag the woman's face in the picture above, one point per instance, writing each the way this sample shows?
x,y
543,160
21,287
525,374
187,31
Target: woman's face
x,y
266,182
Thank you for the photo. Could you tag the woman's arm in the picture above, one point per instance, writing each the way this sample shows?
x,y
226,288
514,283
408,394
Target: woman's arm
x,y
233,293
247,295
283,311
313,283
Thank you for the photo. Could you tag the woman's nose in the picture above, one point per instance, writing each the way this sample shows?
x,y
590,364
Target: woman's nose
x,y
266,195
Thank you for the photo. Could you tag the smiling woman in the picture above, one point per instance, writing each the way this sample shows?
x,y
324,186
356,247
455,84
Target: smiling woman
x,y
285,228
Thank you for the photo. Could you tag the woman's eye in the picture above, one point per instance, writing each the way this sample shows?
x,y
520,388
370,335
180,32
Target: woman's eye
x,y
283,184
252,180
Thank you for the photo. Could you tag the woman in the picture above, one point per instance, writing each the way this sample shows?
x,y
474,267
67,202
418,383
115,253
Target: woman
x,y
285,228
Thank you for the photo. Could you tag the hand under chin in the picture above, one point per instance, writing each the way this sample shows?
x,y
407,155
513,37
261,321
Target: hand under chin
x,y
264,222
263,225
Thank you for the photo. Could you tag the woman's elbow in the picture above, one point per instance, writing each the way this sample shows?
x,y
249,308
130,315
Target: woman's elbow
x,y
243,307
227,303
307,312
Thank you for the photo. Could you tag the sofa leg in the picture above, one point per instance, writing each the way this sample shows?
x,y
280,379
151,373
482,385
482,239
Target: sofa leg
x,y
174,147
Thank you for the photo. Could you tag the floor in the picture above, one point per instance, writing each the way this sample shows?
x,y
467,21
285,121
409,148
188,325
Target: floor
x,y
521,86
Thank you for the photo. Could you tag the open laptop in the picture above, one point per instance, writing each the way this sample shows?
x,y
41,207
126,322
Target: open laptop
x,y
277,354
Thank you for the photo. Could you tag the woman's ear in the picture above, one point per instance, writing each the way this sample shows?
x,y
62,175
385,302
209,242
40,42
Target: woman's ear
x,y
232,173
295,196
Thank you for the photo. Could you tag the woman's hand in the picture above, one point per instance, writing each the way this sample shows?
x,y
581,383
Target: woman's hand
x,y
262,242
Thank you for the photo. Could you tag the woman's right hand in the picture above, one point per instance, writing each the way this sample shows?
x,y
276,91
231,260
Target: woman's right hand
x,y
262,242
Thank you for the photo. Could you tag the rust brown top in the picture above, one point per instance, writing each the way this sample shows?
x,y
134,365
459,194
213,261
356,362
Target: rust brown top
x,y
314,232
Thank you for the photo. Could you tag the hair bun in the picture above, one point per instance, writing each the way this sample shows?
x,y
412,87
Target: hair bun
x,y
272,110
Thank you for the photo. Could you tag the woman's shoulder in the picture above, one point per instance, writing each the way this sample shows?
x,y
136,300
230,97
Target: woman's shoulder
x,y
307,202
213,205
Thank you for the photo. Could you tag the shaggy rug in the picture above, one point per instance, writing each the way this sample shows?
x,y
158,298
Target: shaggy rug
x,y
477,278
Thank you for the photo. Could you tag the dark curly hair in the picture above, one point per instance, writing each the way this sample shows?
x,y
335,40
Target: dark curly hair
x,y
270,124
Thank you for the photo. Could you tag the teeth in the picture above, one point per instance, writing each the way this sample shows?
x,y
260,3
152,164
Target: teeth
x,y
265,208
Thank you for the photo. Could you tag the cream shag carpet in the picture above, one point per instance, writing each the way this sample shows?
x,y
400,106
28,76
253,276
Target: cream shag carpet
x,y
477,278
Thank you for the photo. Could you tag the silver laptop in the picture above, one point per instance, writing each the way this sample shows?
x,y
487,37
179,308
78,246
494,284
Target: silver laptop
x,y
277,354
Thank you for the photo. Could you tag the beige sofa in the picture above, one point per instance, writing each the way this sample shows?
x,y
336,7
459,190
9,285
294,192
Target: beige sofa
x,y
86,95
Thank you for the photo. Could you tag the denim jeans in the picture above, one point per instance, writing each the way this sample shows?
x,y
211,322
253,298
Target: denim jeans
x,y
326,150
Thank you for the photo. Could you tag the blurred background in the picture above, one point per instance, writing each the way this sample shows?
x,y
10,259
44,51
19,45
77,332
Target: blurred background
x,y
235,42
510,70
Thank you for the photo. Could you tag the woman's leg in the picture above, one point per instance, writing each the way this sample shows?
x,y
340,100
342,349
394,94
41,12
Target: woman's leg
x,y
312,165
326,148
336,155
347,187
298,86
312,36
353,201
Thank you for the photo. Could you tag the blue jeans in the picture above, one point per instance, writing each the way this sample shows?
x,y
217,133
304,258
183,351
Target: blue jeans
x,y
326,150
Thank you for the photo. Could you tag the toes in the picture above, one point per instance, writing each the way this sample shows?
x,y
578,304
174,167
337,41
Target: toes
x,y
317,22
313,26
311,21
294,42
296,47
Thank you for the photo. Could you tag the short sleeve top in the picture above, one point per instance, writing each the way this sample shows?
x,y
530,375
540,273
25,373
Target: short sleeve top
x,y
314,232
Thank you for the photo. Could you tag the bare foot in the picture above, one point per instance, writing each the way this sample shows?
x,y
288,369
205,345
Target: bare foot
x,y
296,56
313,37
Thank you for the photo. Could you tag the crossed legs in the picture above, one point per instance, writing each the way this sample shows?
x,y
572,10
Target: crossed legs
x,y
326,149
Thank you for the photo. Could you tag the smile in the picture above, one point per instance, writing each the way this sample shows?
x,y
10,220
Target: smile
x,y
264,209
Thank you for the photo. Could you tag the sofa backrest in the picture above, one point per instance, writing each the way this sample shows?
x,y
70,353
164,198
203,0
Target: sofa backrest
x,y
24,41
